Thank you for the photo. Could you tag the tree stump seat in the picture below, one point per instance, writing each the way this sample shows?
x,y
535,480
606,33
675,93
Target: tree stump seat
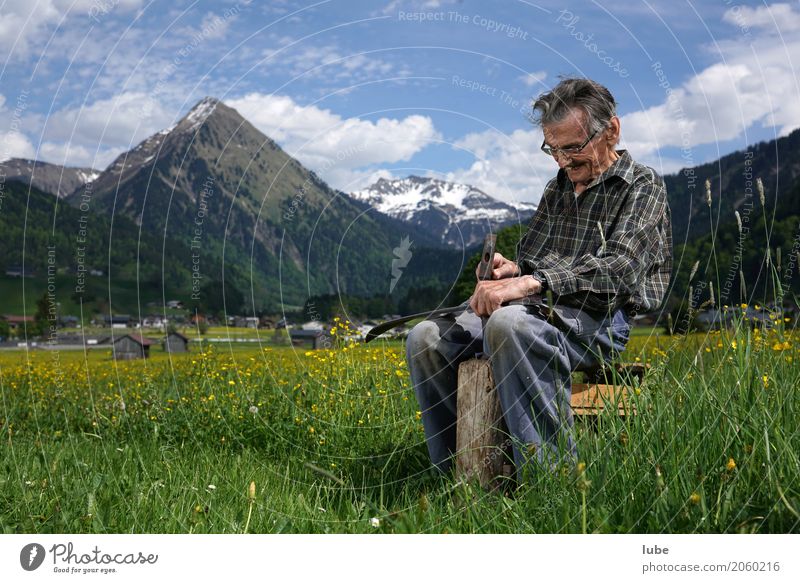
x,y
482,442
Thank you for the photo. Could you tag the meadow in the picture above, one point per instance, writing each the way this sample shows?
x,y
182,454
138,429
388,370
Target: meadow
x,y
231,438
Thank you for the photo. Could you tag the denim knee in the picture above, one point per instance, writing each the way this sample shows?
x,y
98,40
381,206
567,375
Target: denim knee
x,y
421,338
500,326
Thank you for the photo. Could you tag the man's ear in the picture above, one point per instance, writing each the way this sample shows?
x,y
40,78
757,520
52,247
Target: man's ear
x,y
612,131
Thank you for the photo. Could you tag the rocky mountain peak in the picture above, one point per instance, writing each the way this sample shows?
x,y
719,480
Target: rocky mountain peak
x,y
53,178
460,212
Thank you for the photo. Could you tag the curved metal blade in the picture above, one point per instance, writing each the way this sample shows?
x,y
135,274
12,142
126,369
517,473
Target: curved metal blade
x,y
383,327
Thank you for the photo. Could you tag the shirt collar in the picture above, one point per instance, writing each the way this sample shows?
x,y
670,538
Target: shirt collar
x,y
622,167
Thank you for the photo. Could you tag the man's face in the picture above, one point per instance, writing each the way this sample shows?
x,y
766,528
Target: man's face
x,y
592,160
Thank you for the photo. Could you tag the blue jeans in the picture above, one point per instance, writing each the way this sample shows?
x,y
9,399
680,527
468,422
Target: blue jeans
x,y
532,357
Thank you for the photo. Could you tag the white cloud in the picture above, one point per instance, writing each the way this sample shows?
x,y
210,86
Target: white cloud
x,y
97,133
509,167
127,118
533,78
776,16
75,155
328,64
15,145
416,5
349,180
333,146
215,26
26,25
755,83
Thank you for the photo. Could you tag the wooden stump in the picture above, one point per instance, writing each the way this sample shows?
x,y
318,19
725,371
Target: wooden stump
x,y
480,439
482,442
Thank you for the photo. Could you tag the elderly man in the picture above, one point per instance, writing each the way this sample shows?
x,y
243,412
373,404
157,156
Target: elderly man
x,y
600,241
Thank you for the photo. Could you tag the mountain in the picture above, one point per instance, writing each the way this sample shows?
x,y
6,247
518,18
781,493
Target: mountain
x,y
52,178
733,185
69,252
272,228
459,213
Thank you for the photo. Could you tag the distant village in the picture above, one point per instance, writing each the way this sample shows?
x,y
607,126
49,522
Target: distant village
x,y
174,328
130,337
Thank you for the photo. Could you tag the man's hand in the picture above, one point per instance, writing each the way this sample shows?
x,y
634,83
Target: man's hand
x,y
501,267
491,294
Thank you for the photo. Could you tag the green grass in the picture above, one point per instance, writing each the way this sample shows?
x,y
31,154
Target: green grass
x,y
335,441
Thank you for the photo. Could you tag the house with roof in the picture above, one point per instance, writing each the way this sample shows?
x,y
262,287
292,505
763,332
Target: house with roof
x,y
155,321
16,322
176,342
313,339
119,321
131,347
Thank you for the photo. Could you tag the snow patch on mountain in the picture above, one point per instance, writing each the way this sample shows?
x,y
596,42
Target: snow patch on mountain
x,y
198,114
87,177
403,197
450,208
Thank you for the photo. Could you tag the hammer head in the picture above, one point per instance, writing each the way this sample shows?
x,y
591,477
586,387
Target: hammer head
x,y
487,257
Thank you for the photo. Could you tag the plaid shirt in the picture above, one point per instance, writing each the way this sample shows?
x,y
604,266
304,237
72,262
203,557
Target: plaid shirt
x,y
627,265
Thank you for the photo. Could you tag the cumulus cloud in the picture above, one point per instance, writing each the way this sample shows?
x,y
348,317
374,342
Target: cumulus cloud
x,y
68,154
509,167
127,118
755,82
333,146
93,135
15,145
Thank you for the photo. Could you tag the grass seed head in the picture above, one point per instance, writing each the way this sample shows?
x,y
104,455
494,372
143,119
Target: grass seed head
x,y
694,270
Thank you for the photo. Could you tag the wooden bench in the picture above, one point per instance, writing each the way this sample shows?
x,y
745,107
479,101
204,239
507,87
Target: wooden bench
x,y
482,443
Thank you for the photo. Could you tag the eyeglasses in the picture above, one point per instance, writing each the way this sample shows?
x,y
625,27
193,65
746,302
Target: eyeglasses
x,y
568,151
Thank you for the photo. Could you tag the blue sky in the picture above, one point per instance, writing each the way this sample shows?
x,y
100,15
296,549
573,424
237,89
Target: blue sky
x,y
361,90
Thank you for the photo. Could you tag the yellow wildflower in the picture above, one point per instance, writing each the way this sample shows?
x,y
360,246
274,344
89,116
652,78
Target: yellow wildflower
x,y
694,498
731,465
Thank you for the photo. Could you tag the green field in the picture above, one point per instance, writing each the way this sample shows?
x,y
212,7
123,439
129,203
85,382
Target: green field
x,y
332,440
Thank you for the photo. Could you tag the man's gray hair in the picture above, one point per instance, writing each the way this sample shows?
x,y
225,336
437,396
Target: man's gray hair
x,y
589,96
